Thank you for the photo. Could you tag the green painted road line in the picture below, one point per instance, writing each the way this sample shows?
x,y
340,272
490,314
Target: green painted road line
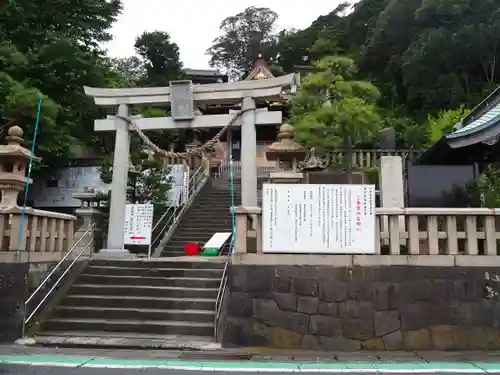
x,y
449,365
320,366
108,362
249,366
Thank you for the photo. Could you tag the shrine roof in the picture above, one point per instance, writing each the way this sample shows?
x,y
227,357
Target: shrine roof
x,y
474,138
259,70
481,125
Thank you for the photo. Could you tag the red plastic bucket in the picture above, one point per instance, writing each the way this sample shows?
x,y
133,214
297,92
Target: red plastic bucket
x,y
191,248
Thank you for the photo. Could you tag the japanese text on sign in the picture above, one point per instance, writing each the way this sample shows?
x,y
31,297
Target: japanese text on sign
x,y
313,218
138,224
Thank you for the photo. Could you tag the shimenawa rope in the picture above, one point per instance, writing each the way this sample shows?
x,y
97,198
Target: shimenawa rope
x,y
207,146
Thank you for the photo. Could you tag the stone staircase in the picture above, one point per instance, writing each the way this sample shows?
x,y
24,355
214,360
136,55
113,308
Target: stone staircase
x,y
156,301
210,213
151,303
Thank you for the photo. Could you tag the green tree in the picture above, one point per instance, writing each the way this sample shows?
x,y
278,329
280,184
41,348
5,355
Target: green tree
x,y
130,71
52,47
323,38
244,37
160,58
431,55
334,109
444,122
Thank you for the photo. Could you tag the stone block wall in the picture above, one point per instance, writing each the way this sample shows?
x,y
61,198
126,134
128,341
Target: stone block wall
x,y
371,308
14,291
12,295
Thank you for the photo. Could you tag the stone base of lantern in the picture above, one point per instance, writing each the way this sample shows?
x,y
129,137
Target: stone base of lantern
x,y
286,177
114,254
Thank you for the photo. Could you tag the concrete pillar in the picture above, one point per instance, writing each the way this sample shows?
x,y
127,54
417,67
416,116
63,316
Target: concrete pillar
x,y
248,155
116,228
392,187
391,182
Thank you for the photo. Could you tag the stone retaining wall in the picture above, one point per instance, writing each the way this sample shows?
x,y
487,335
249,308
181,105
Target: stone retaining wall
x,y
372,308
12,295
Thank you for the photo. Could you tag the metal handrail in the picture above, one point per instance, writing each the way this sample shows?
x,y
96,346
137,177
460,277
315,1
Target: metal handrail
x,y
222,288
35,310
59,264
192,185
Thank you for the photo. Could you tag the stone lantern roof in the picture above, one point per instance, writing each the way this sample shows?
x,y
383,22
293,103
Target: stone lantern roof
x,y
13,165
285,148
14,149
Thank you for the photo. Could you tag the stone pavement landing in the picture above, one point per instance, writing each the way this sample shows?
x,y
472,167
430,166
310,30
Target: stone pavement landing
x,y
116,341
257,355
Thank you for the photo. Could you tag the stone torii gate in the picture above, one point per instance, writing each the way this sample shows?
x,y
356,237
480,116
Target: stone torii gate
x,y
183,98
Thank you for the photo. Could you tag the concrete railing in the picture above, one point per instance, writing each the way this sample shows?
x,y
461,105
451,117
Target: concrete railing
x,y
369,158
361,158
408,231
43,232
264,167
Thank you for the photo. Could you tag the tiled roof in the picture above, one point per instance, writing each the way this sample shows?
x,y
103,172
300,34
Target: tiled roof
x,y
481,117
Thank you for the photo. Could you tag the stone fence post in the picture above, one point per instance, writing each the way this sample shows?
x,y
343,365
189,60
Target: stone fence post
x,y
91,211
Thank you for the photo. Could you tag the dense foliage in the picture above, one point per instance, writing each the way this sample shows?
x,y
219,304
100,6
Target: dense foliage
x,y
422,64
426,57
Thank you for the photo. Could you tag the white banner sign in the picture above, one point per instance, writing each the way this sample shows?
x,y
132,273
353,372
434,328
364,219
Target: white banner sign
x,y
313,218
138,224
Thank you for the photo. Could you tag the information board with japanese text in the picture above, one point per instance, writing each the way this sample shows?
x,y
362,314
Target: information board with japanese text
x,y
318,218
138,224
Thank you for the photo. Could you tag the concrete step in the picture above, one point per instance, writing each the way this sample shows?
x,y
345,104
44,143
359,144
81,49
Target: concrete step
x,y
186,282
108,313
156,264
182,238
217,208
156,272
177,252
209,230
168,303
188,229
201,219
146,291
206,221
139,326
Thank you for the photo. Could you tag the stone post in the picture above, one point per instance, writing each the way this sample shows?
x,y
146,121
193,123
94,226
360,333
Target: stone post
x,y
248,155
392,187
116,230
90,212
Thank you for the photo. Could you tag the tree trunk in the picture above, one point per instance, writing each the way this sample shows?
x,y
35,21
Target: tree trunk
x,y
347,145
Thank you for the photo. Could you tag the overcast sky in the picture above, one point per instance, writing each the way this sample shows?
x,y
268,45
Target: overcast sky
x,y
193,24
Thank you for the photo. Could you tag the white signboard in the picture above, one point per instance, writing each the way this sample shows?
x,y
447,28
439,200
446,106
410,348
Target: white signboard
x,y
314,218
177,187
138,224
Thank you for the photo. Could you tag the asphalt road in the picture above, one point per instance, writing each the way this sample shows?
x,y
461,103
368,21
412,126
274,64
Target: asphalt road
x,y
45,370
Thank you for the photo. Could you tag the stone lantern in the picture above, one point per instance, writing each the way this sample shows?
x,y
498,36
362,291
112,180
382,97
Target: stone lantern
x,y
311,165
14,159
288,154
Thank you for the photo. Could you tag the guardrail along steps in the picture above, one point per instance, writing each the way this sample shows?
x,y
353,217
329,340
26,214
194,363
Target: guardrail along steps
x,y
159,299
